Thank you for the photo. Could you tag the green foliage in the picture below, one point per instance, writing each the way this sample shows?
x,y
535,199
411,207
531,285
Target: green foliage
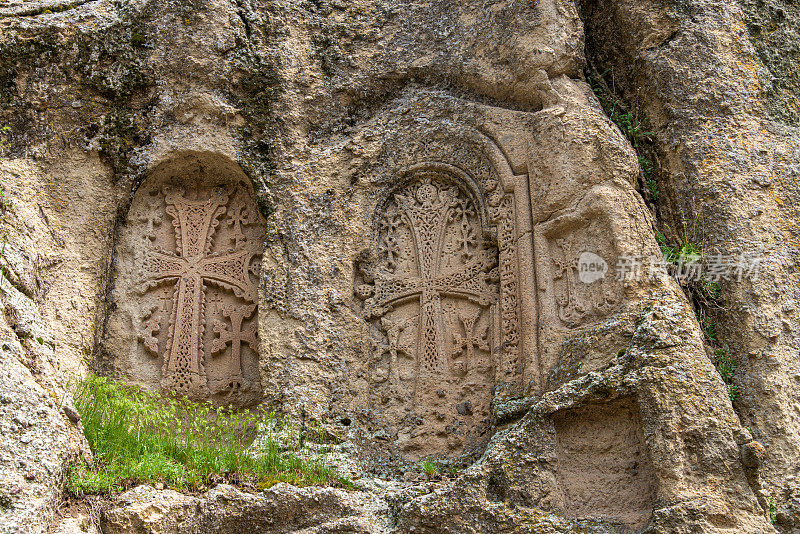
x,y
711,290
647,169
142,437
647,172
709,325
726,367
629,123
428,467
706,296
725,364
773,510
687,247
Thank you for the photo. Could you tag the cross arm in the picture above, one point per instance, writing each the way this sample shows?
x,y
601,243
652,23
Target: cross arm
x,y
230,271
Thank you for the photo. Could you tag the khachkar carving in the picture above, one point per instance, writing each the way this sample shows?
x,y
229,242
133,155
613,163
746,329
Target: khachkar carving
x,y
584,284
432,298
578,254
201,274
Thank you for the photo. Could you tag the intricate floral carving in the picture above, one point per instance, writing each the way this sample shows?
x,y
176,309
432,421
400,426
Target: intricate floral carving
x,y
191,267
501,210
432,296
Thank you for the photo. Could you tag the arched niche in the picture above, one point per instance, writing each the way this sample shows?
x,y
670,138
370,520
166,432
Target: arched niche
x,y
184,314
432,296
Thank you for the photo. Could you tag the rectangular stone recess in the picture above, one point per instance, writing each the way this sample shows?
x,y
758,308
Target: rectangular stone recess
x,y
603,466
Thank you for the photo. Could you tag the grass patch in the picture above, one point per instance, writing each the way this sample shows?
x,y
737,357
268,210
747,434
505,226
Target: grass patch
x,y
429,468
687,247
141,437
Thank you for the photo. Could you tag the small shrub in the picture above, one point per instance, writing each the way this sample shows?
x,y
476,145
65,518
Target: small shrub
x,y
725,364
141,437
428,467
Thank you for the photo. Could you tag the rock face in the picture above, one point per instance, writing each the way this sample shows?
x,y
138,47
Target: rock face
x,y
38,437
413,223
282,508
714,81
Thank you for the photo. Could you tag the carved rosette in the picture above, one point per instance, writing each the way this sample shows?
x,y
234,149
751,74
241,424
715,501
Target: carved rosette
x,y
199,275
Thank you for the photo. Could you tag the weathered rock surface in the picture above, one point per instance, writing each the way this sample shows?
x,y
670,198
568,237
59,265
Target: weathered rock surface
x,y
717,82
433,177
38,439
282,508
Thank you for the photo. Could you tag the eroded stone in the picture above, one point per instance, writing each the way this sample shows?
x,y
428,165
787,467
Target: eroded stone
x,y
603,466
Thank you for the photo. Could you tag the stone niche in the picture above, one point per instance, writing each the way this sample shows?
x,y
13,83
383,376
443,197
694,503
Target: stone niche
x,y
185,283
577,253
604,469
439,293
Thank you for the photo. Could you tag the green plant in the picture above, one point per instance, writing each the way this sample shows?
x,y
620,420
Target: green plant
x,y
626,121
138,39
726,367
773,510
725,364
647,170
712,290
142,437
687,248
428,467
708,325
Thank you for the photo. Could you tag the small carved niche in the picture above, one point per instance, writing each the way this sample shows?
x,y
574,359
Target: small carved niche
x,y
431,297
577,255
582,254
604,468
186,282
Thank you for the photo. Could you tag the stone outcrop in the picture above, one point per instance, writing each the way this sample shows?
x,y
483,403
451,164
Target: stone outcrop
x,y
412,223
282,508
712,78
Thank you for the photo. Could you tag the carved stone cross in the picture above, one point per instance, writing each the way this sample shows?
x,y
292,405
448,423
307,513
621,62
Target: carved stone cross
x,y
473,339
235,336
427,214
190,267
